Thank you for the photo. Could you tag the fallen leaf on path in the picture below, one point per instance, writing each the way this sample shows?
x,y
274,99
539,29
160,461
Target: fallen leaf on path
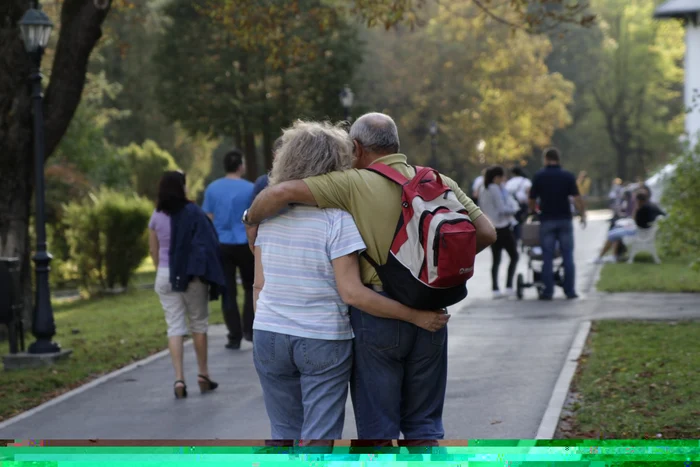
x,y
496,422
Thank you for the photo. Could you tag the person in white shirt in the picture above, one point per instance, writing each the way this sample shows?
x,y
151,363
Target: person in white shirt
x,y
500,207
519,187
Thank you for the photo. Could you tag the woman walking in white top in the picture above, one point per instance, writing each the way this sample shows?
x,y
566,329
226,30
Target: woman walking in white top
x,y
500,207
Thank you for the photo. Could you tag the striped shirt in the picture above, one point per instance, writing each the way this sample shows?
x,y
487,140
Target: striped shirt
x,y
300,296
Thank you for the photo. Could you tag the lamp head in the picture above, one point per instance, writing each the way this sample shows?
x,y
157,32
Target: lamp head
x,y
433,128
36,28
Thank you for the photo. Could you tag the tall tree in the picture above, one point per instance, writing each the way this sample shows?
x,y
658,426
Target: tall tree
x,y
476,78
244,90
80,29
637,94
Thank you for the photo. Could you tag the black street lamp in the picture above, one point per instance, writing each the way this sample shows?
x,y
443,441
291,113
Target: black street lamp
x,y
433,143
36,29
346,99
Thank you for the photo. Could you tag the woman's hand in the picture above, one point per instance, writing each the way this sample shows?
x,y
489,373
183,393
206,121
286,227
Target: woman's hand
x,y
431,321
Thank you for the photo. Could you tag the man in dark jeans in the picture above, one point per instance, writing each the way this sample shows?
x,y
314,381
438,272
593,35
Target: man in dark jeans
x,y
225,200
553,187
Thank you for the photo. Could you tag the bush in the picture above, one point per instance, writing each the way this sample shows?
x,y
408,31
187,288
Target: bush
x,y
147,164
108,237
680,233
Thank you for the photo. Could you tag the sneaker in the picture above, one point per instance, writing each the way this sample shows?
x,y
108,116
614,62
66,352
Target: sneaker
x,y
510,292
233,345
498,294
598,260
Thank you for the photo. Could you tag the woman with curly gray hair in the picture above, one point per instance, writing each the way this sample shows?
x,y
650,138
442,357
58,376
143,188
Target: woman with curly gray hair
x,y
306,274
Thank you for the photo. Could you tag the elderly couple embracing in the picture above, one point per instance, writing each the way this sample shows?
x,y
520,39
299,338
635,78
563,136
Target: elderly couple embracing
x,y
323,321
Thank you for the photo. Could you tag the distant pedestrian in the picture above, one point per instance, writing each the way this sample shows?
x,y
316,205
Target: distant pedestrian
x,y
583,182
552,187
500,207
519,187
225,201
262,181
615,194
184,246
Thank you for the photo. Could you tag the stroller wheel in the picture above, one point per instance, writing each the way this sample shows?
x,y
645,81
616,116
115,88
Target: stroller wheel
x,y
520,286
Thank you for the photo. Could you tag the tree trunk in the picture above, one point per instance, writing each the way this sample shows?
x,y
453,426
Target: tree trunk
x,y
251,158
81,22
267,140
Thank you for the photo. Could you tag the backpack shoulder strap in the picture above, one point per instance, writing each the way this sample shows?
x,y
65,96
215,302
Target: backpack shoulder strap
x,y
387,172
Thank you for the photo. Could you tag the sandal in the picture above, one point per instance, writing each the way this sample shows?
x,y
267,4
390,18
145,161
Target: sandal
x,y
180,391
206,385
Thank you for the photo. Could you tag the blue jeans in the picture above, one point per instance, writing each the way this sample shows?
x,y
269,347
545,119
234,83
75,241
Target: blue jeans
x,y
399,379
304,383
551,233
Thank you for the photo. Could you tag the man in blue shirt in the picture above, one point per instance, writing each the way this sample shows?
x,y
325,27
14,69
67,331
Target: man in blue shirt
x,y
552,188
263,180
225,201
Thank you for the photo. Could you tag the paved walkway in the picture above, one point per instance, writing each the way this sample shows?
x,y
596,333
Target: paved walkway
x,y
505,357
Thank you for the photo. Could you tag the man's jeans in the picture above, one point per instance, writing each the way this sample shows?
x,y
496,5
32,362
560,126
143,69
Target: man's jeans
x,y
304,383
551,233
399,379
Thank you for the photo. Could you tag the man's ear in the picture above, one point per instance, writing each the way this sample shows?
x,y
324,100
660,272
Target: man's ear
x,y
358,152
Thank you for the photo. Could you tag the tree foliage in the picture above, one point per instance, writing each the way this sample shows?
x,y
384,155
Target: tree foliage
x,y
628,111
477,78
237,88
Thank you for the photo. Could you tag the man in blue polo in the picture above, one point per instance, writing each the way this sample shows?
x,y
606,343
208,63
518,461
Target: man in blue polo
x,y
225,201
552,189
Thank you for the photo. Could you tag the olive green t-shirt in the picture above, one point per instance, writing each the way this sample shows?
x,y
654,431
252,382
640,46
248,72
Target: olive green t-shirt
x,y
375,204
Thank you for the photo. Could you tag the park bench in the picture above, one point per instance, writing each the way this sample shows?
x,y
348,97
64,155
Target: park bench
x,y
643,241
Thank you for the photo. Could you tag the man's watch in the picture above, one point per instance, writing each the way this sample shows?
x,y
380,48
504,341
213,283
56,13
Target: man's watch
x,y
245,218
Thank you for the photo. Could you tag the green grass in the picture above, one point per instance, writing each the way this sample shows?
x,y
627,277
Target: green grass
x,y
639,380
671,276
104,333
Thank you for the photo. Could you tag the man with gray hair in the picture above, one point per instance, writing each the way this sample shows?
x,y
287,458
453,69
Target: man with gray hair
x,y
400,373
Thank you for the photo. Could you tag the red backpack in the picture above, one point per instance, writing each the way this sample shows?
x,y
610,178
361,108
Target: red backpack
x,y
434,247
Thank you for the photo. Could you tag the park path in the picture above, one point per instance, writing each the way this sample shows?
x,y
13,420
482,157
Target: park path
x,y
505,357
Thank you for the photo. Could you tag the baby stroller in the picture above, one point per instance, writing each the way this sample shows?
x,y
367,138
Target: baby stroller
x,y
531,245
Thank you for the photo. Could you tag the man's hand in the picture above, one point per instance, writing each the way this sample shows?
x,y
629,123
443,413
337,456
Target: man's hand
x,y
251,232
431,321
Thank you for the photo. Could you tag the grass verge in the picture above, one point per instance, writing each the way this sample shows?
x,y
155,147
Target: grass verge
x,y
104,333
638,380
671,276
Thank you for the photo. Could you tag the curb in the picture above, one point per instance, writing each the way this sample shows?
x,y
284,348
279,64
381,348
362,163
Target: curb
x,y
87,386
550,420
591,289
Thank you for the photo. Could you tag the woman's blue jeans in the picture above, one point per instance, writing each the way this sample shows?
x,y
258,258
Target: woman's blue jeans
x,y
305,384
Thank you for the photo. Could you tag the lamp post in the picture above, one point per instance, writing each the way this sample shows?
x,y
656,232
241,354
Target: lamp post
x,y
433,144
36,29
346,99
